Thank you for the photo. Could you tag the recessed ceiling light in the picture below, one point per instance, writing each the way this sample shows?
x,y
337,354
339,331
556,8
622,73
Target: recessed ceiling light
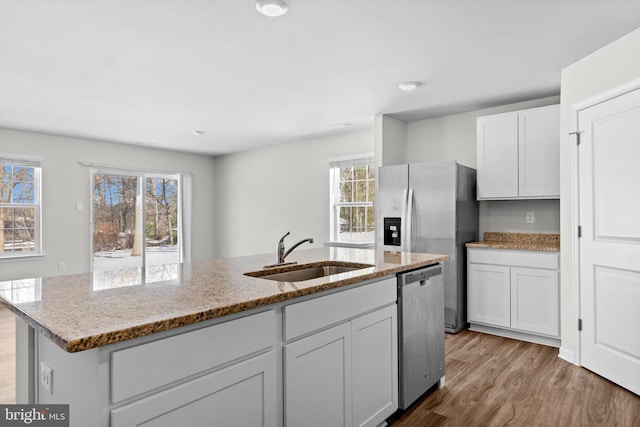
x,y
198,132
342,124
272,7
408,86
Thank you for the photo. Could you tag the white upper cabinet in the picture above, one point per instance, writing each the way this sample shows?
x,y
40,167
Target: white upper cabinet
x,y
519,154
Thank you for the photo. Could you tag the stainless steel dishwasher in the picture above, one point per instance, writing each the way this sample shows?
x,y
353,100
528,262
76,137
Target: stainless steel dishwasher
x,y
420,332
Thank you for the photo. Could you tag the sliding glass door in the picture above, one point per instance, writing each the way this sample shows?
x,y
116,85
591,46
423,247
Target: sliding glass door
x,y
135,220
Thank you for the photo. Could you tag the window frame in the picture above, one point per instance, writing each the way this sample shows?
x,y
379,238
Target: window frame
x,y
36,164
335,204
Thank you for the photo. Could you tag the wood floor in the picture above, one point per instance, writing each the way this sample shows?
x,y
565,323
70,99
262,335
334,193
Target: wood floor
x,y
7,356
494,381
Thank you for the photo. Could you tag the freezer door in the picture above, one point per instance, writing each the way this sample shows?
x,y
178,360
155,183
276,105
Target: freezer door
x,y
392,185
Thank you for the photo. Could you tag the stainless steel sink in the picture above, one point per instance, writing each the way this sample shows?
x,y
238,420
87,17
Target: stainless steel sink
x,y
300,272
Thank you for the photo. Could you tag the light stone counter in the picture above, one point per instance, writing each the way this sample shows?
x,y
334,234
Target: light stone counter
x,y
542,242
84,311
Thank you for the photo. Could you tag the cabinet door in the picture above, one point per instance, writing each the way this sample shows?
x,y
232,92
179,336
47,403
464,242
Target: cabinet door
x,y
535,300
539,152
497,156
240,395
489,299
375,366
318,379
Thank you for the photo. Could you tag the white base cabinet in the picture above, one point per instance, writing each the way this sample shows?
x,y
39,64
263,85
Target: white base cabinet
x,y
241,395
318,379
514,293
345,371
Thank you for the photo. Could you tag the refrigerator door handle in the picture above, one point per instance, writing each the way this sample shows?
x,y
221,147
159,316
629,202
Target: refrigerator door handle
x,y
403,221
409,219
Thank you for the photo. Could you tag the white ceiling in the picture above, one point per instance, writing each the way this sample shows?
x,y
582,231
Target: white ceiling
x,y
151,72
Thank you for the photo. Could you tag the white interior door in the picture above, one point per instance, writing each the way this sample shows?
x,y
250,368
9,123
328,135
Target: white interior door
x,y
609,180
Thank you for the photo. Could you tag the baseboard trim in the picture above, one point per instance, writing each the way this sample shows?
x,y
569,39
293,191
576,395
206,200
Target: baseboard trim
x,y
522,336
567,355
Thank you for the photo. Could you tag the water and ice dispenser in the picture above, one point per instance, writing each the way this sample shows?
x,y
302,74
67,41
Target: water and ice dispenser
x,y
392,232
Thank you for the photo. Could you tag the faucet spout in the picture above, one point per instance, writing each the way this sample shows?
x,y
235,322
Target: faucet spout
x,y
295,246
282,254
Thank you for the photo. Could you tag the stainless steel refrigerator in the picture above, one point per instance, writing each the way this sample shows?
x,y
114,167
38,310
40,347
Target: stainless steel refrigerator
x,y
431,207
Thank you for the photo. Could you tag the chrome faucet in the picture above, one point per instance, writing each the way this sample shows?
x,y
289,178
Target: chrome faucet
x,y
281,250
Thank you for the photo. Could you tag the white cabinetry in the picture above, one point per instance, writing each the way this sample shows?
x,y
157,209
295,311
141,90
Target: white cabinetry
x,y
341,358
240,395
514,293
318,379
230,373
518,154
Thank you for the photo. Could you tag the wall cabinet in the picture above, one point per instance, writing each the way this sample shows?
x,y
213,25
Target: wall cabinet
x,y
514,293
345,372
518,154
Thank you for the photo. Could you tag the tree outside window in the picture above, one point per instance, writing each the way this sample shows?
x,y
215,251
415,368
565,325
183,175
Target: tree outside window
x,y
19,207
352,193
135,220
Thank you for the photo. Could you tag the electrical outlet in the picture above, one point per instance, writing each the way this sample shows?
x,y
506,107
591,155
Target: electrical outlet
x,y
62,266
530,218
46,377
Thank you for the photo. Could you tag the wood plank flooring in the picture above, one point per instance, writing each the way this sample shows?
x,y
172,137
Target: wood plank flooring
x,y
7,356
495,381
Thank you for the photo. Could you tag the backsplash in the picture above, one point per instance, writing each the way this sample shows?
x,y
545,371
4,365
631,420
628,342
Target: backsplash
x,y
510,216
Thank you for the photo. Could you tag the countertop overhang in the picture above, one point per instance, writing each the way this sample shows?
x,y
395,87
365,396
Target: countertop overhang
x,y
84,311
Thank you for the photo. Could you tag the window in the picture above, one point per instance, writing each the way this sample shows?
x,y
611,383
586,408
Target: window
x,y
136,220
20,208
352,183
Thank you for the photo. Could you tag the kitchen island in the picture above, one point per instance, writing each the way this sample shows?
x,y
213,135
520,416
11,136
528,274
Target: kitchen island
x,y
187,344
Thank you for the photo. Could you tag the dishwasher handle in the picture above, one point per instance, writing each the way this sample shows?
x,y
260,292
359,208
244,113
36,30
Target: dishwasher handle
x,y
420,275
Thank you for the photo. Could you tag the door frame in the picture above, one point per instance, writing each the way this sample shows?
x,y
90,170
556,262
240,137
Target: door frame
x,y
574,112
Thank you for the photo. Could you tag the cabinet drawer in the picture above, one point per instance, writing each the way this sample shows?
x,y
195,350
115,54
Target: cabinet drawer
x,y
311,315
145,367
531,259
239,395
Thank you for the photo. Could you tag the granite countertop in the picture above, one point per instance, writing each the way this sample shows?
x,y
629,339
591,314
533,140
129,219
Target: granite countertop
x,y
543,242
83,311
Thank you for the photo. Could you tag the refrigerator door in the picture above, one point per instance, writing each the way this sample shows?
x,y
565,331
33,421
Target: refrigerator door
x,y
433,225
391,201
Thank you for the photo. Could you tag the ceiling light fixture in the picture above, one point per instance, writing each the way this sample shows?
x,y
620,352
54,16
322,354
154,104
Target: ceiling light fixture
x,y
342,125
198,132
272,7
408,86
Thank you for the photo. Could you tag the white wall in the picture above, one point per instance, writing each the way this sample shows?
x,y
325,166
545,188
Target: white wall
x,y
453,137
66,182
390,137
261,194
608,68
